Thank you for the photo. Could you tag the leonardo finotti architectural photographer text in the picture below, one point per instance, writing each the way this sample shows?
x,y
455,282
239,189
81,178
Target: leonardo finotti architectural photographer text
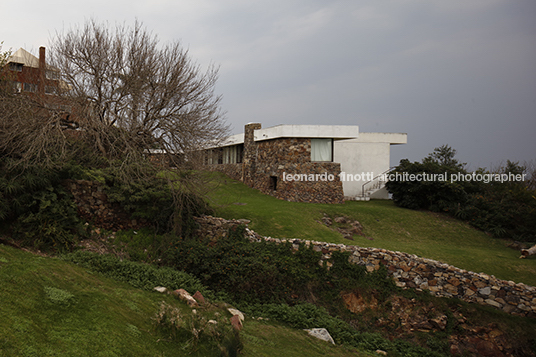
x,y
405,176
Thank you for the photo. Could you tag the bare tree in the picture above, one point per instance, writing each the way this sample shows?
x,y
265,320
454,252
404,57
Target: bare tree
x,y
130,97
133,95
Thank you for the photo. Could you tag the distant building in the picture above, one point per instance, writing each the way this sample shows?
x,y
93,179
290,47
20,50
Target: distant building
x,y
307,163
31,74
34,77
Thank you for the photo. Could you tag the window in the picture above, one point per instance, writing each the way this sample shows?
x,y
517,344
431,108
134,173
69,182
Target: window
x,y
17,67
30,87
17,87
233,154
52,74
50,89
321,149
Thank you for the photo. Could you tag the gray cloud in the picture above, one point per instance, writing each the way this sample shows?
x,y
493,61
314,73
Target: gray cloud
x,y
446,72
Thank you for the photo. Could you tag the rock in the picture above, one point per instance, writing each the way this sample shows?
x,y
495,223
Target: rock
x,y
487,348
340,220
236,312
493,303
161,289
485,291
321,333
199,298
327,221
440,322
236,322
185,296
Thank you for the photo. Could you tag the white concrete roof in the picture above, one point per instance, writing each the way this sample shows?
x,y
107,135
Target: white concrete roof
x,y
391,138
308,131
345,133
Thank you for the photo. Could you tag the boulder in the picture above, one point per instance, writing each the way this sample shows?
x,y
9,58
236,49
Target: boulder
x,y
236,322
321,333
199,298
236,312
183,295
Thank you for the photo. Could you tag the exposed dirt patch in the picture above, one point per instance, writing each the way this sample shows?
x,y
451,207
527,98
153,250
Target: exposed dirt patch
x,y
347,227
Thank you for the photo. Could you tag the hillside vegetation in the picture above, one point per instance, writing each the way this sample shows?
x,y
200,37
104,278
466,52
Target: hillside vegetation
x,y
430,235
51,307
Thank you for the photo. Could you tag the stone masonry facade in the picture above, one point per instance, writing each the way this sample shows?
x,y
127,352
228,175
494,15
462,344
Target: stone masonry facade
x,y
267,164
409,271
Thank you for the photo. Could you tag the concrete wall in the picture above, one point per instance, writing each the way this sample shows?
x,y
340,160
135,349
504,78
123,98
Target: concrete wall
x,y
360,162
365,158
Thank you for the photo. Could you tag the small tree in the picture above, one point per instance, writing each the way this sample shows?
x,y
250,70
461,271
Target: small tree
x,y
444,157
435,195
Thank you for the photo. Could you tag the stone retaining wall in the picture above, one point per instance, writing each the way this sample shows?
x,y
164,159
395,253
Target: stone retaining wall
x,y
409,271
92,204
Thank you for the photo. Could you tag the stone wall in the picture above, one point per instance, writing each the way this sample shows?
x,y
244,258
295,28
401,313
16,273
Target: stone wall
x,y
92,204
267,163
290,156
410,271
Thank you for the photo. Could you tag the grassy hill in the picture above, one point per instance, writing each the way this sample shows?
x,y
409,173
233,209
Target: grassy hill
x,y
50,307
426,234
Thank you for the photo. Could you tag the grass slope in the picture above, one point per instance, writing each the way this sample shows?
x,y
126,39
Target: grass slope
x,y
386,226
50,307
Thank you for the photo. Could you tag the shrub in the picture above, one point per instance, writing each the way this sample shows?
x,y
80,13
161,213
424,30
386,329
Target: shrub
x,y
142,276
156,201
41,211
216,336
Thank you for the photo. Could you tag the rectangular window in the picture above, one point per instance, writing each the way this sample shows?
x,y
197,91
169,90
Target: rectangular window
x,y
52,74
30,87
17,67
233,154
273,183
321,149
17,87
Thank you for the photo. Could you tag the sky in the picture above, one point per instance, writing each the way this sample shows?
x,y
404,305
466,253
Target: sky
x,y
456,72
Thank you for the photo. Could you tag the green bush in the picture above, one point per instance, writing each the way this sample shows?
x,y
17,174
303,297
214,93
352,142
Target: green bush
x,y
248,271
41,212
266,272
503,209
156,201
142,276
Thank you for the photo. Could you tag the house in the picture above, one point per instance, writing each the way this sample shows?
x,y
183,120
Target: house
x,y
307,163
32,76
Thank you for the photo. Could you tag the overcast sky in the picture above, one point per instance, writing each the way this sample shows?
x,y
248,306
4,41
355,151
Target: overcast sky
x,y
457,72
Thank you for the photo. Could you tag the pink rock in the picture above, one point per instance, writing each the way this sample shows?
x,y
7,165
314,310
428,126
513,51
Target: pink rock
x,y
236,323
199,298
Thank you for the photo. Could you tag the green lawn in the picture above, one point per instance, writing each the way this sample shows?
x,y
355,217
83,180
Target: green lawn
x,y
263,339
50,307
386,226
